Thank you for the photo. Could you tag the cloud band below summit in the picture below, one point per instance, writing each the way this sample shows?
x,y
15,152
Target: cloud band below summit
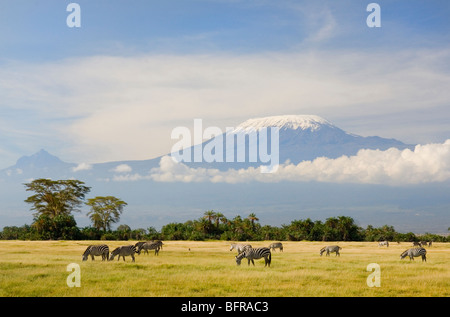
x,y
425,164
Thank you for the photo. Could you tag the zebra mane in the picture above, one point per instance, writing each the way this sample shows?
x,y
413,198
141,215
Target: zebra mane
x,y
87,250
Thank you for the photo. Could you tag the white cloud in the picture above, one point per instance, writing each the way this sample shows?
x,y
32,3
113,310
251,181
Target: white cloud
x,y
427,163
122,168
82,167
129,177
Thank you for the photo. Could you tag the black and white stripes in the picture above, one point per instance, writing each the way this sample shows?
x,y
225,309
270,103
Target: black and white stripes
x,y
329,249
96,250
149,245
414,252
239,247
255,254
126,250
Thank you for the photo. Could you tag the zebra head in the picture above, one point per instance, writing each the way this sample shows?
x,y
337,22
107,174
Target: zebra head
x,y
114,253
86,253
239,258
403,255
322,251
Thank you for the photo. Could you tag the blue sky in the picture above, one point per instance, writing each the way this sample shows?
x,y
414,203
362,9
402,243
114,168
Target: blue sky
x,y
116,87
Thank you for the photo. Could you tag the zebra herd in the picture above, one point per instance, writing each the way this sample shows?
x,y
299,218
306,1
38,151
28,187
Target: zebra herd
x,y
244,251
122,251
251,254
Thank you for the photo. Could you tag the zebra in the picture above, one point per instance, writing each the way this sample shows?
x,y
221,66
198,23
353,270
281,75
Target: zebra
x,y
150,245
160,243
255,254
330,248
413,252
97,250
381,243
416,244
123,251
239,247
425,243
275,245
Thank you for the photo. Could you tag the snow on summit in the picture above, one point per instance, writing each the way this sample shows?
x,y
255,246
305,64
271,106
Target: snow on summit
x,y
294,122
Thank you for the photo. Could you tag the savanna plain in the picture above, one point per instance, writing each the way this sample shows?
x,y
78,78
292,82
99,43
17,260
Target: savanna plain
x,y
196,269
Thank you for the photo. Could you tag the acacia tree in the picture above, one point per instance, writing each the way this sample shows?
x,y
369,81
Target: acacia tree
x,y
54,202
105,211
54,198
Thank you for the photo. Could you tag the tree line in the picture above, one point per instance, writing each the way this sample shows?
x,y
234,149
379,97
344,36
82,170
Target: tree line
x,y
55,201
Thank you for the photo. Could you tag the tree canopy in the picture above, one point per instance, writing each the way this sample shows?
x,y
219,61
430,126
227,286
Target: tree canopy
x,y
105,211
53,198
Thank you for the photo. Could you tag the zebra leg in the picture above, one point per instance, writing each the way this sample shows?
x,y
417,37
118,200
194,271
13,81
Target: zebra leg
x,y
424,258
132,256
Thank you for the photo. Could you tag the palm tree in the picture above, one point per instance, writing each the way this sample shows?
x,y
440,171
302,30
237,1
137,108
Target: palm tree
x,y
252,217
210,215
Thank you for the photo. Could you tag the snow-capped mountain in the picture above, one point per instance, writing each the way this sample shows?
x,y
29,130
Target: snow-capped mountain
x,y
301,138
293,122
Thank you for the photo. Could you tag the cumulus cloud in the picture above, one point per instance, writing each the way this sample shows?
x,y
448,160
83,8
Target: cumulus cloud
x,y
425,164
82,167
122,168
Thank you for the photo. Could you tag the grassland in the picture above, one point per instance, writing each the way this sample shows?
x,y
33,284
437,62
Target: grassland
x,y
188,268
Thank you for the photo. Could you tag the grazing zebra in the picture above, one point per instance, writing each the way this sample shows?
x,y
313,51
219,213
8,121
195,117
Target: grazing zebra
x,y
255,254
160,243
150,245
239,247
381,243
413,252
275,245
123,251
416,244
97,250
329,249
425,243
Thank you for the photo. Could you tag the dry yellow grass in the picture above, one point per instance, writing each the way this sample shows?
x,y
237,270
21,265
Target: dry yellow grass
x,y
189,268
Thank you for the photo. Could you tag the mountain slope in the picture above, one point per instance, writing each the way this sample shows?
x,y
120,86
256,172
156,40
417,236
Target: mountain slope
x,y
301,138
